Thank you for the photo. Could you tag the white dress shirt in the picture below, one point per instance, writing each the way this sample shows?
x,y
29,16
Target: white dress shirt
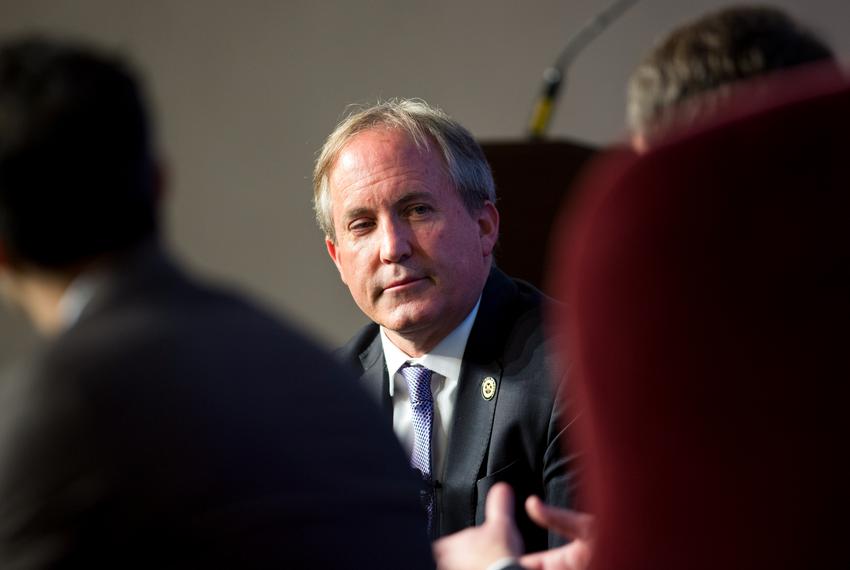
x,y
444,361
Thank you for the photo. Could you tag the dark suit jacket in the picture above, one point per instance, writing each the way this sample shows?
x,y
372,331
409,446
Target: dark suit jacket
x,y
516,436
175,426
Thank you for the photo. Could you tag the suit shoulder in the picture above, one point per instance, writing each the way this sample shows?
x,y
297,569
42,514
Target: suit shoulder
x,y
529,339
349,353
533,309
530,297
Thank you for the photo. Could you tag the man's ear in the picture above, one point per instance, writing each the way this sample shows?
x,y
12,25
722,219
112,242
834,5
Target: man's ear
x,y
639,143
332,251
488,227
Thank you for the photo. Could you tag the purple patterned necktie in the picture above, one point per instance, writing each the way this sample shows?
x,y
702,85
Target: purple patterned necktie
x,y
422,406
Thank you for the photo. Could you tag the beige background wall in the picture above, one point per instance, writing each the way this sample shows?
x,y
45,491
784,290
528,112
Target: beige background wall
x,y
245,91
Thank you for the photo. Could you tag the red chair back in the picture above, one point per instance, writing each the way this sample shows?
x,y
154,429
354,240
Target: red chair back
x,y
708,309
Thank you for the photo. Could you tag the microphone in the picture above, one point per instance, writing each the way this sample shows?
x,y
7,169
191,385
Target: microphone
x,y
553,77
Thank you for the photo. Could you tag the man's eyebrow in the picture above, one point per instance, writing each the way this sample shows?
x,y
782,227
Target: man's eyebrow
x,y
407,198
356,213
414,196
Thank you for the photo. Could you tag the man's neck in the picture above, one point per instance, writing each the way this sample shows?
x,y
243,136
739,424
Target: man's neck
x,y
413,345
419,346
39,291
38,294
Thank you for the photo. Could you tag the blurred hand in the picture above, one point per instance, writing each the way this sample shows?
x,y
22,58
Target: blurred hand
x,y
571,524
477,547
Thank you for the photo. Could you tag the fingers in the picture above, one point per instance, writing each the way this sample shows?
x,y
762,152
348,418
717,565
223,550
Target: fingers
x,y
478,547
500,504
571,524
442,547
499,516
573,556
534,561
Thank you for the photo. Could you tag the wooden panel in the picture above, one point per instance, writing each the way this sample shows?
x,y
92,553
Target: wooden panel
x,y
532,180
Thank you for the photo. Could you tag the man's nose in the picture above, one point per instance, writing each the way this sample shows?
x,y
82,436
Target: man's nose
x,y
395,241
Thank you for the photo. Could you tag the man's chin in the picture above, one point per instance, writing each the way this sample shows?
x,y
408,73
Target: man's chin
x,y
406,321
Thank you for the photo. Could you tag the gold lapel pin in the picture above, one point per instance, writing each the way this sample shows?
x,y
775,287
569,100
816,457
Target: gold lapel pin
x,y
488,388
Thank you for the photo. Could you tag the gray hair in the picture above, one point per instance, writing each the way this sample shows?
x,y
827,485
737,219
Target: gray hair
x,y
466,165
705,56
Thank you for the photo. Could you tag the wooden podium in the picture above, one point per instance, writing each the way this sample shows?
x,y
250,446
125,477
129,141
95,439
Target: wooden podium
x,y
532,181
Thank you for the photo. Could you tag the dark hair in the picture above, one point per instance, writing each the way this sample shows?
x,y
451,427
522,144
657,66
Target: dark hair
x,y
717,49
76,172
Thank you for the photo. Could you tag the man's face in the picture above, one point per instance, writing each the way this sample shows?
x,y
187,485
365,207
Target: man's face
x,y
413,257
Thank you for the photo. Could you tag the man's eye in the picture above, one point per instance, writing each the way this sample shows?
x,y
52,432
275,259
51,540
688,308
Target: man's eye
x,y
360,225
418,210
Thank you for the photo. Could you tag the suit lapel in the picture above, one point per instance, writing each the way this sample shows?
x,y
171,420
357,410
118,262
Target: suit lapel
x,y
375,379
472,423
468,443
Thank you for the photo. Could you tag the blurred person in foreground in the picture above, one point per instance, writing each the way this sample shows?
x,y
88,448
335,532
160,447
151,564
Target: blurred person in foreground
x,y
166,423
695,68
684,80
456,353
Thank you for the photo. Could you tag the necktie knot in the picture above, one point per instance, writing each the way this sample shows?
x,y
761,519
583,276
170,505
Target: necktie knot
x,y
418,382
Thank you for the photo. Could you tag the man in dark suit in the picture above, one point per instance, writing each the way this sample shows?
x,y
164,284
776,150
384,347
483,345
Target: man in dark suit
x,y
456,354
166,424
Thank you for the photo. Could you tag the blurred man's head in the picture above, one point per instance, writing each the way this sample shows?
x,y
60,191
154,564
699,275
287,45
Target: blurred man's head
x,y
77,179
668,89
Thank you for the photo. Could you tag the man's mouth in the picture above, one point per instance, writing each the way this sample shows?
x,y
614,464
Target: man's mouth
x,y
402,284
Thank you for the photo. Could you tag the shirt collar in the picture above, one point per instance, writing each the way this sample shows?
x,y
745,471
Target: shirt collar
x,y
77,296
444,359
